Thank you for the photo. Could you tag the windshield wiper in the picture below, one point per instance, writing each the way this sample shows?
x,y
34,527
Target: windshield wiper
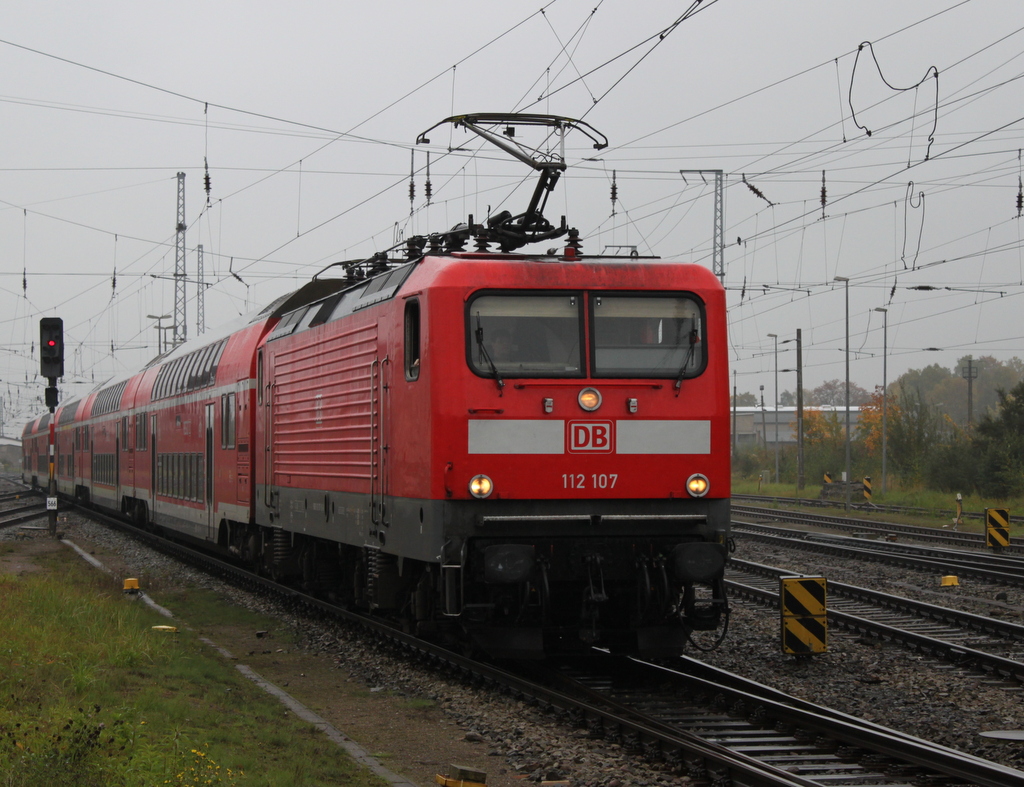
x,y
487,356
694,338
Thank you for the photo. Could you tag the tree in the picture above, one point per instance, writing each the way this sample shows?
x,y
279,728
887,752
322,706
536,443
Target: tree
x,y
994,378
824,430
915,429
833,392
824,442
788,398
925,381
745,400
869,425
998,446
947,389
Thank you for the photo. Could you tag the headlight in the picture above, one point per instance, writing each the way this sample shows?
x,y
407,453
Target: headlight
x,y
697,485
480,486
589,399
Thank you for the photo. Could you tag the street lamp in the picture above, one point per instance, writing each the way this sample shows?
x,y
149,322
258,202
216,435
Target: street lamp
x,y
846,283
160,329
776,339
764,429
885,391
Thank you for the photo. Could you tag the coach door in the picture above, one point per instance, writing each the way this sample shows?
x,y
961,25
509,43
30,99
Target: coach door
x,y
117,464
154,470
208,496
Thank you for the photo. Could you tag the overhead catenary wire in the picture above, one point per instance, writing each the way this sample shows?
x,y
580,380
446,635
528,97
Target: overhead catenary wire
x,y
774,238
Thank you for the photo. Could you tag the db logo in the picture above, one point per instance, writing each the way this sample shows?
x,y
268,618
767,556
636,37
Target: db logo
x,y
591,436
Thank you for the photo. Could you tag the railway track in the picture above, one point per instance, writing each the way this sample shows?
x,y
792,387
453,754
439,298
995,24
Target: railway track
x,y
870,508
992,569
991,648
878,529
746,735
22,515
7,497
813,745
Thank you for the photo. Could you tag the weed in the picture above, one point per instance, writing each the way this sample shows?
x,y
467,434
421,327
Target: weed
x,y
172,713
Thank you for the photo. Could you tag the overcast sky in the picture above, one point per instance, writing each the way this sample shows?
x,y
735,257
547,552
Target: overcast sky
x,y
305,115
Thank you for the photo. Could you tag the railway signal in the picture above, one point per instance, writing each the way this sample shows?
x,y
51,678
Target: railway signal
x,y
51,366
51,347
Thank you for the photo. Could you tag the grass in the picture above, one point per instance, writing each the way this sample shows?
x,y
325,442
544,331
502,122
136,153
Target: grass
x,y
90,694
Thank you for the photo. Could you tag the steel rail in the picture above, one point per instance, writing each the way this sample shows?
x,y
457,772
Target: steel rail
x,y
959,538
1010,632
21,515
884,508
771,710
972,556
849,729
846,549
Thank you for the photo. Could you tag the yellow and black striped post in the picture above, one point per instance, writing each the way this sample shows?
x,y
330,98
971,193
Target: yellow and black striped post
x,y
803,610
867,488
828,478
997,528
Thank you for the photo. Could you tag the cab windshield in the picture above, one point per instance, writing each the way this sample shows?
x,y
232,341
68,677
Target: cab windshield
x,y
646,336
526,335
541,335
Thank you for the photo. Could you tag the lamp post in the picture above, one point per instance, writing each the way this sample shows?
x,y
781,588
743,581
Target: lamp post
x,y
764,429
885,385
846,283
775,338
160,330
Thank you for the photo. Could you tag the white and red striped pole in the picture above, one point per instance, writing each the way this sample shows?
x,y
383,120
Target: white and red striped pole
x,y
51,498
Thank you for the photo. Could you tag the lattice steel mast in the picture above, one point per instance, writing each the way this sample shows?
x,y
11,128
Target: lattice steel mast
x,y
180,326
718,241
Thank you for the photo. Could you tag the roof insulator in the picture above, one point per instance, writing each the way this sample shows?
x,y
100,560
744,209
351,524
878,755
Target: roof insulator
x,y
573,243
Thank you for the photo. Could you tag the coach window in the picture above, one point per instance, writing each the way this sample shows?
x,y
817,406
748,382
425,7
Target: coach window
x,y
140,432
525,335
412,340
646,336
204,372
227,421
124,433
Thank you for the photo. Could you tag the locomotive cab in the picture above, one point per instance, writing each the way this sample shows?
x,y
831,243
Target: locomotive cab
x,y
586,453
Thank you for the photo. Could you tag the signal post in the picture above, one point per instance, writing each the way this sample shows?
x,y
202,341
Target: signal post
x,y
51,366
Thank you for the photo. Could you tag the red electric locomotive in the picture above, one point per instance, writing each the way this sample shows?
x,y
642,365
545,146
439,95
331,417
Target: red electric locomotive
x,y
528,450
